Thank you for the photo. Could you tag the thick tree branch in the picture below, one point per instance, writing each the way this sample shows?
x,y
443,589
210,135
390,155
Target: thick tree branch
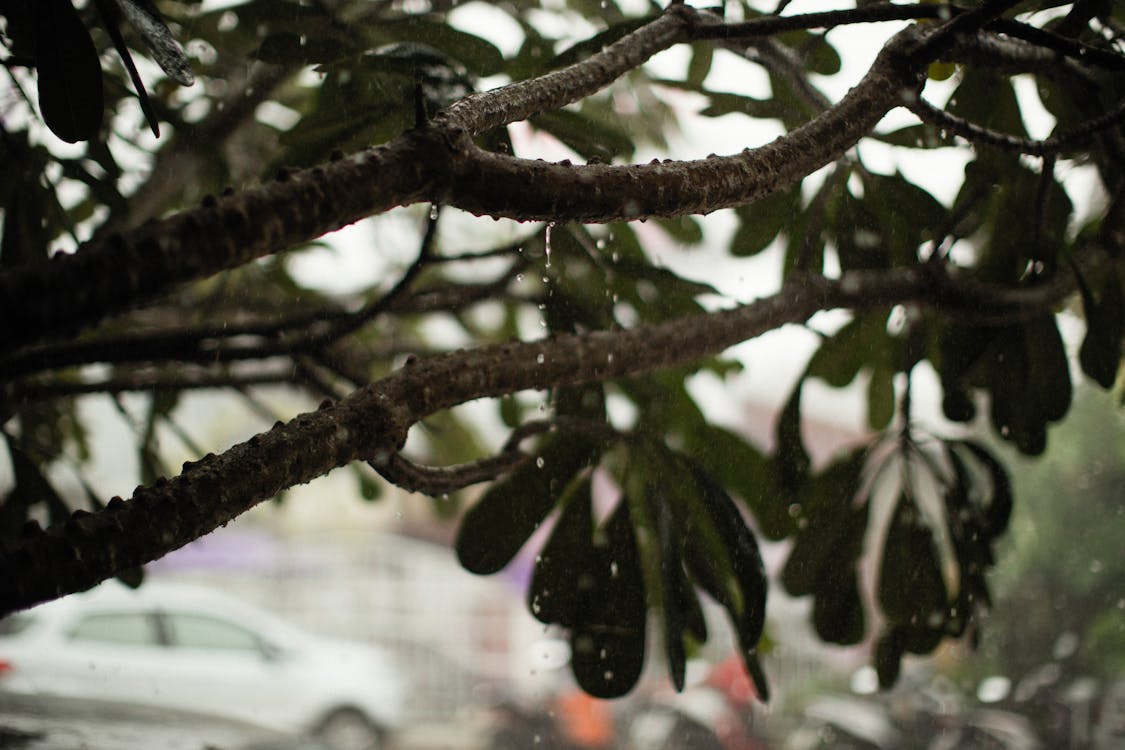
x,y
440,161
371,424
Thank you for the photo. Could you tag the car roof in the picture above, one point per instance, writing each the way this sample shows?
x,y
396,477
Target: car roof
x,y
165,595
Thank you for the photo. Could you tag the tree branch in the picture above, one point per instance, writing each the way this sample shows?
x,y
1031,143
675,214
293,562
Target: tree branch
x,y
371,423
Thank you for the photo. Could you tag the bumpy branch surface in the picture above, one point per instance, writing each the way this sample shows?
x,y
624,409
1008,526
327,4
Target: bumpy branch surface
x,y
439,162
371,424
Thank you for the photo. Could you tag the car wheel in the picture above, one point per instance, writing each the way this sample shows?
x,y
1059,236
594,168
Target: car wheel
x,y
348,729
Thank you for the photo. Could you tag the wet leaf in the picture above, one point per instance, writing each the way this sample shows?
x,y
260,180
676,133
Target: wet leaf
x,y
1100,353
608,645
837,608
911,588
69,72
763,220
889,650
561,579
495,529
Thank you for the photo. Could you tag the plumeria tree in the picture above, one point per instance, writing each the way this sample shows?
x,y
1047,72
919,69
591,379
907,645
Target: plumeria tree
x,y
174,281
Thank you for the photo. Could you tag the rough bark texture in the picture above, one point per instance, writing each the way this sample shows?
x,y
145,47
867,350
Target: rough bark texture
x,y
437,162
440,162
371,424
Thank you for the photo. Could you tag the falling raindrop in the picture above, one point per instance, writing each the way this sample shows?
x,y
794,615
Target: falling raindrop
x,y
540,462
547,244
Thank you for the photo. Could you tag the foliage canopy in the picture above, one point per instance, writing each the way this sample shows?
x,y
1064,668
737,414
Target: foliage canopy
x,y
329,111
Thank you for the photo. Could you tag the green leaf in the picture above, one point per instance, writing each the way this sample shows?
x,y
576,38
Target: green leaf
x,y
880,398
748,608
495,529
677,597
998,510
742,468
586,136
479,55
1100,353
561,578
987,99
837,609
889,650
370,488
763,220
683,229
819,56
792,460
831,526
911,587
287,47
69,72
700,65
608,645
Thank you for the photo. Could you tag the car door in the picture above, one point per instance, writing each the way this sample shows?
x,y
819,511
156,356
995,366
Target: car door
x,y
107,655
218,666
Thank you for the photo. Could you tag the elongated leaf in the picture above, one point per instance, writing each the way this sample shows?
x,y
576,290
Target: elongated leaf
x,y
749,610
1100,354
70,74
911,587
837,609
608,646
562,578
495,529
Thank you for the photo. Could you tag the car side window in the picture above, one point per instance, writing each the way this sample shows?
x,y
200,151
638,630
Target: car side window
x,y
123,628
201,631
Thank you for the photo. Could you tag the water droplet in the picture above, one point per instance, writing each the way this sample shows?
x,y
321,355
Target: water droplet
x,y
433,212
547,244
540,462
540,359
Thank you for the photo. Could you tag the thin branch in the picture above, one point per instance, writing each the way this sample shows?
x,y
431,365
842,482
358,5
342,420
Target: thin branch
x,y
181,380
427,164
372,423
442,480
1055,144
484,111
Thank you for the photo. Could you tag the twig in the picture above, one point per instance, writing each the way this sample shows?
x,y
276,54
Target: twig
x,y
1055,144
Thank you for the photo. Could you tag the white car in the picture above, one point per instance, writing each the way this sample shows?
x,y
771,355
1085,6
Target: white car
x,y
191,649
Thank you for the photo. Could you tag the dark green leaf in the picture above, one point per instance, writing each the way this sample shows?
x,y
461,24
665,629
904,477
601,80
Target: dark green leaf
x,y
587,137
495,529
480,56
700,65
748,609
69,71
911,587
837,609
684,229
562,579
674,587
288,47
1100,354
998,510
888,657
987,99
761,221
792,459
608,646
